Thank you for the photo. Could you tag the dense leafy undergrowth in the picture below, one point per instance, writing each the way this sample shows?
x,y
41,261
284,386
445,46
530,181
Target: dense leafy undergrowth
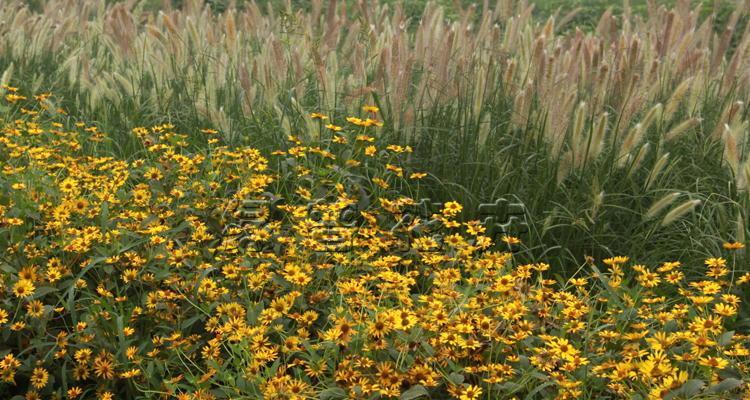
x,y
303,274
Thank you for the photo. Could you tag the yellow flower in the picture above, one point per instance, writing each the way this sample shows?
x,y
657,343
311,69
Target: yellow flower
x,y
725,310
395,169
717,262
365,138
562,349
713,362
69,185
74,392
39,377
355,121
452,208
106,396
103,367
334,128
35,308
510,240
733,245
471,392
706,325
370,109
617,260
24,288
371,122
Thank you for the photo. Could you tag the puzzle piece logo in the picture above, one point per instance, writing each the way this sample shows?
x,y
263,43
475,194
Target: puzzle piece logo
x,y
417,226
503,217
253,217
336,228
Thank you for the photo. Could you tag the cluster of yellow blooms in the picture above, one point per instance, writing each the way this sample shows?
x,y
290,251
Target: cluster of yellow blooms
x,y
146,278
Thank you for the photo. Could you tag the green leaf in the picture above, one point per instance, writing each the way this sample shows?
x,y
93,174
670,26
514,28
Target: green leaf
x,y
692,387
688,389
724,386
725,339
332,393
509,387
190,321
414,392
455,378
537,390
524,362
42,291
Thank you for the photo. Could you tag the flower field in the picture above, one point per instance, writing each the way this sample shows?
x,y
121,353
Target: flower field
x,y
202,201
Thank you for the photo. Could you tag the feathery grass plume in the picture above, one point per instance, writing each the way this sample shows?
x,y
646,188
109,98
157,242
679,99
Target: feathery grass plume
x,y
5,78
676,99
679,129
168,23
634,136
743,177
660,204
728,117
631,140
653,114
479,92
597,204
679,212
696,94
540,62
637,160
731,154
509,75
598,134
657,170
577,143
558,111
230,29
522,108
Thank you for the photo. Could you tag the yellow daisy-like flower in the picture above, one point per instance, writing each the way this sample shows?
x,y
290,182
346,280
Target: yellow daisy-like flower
x,y
713,362
733,245
716,262
510,240
24,288
452,208
39,377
